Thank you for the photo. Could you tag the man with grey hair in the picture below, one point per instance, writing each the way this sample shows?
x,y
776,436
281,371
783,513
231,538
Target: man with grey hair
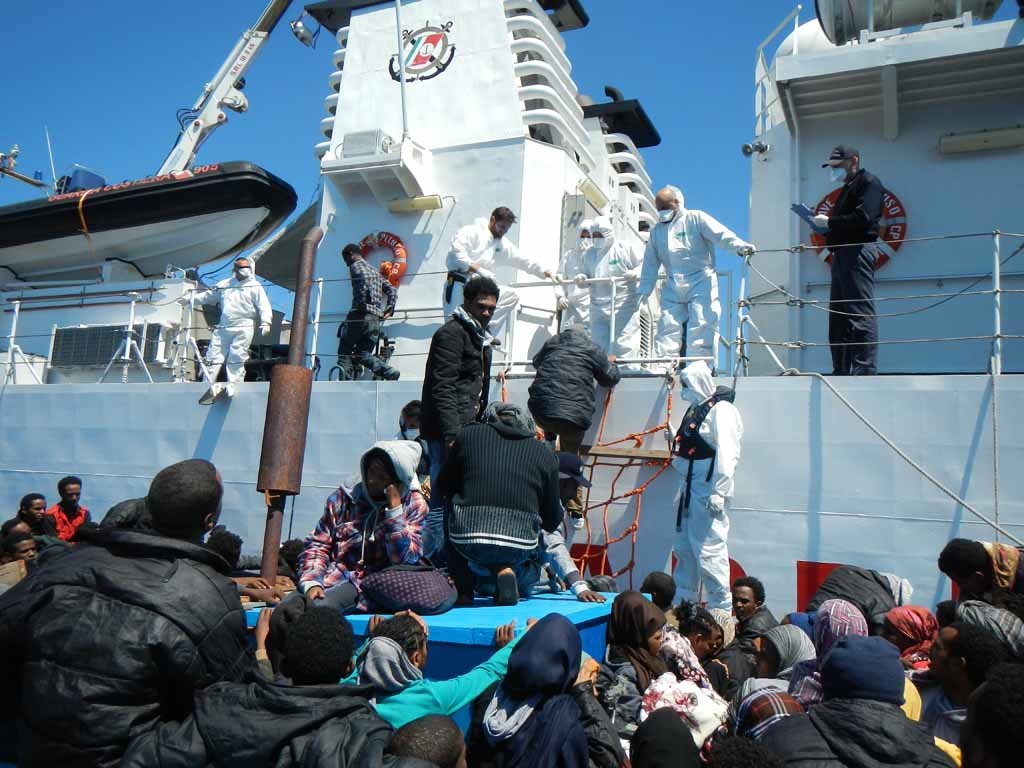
x,y
500,485
684,242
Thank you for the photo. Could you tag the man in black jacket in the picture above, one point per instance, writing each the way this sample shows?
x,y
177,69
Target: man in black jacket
x,y
860,723
562,394
501,487
112,637
852,232
456,386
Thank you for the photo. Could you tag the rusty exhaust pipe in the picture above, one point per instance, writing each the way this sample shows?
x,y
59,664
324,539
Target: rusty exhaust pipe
x,y
284,430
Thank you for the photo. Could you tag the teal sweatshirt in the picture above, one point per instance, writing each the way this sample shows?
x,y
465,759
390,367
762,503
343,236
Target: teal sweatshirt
x,y
440,697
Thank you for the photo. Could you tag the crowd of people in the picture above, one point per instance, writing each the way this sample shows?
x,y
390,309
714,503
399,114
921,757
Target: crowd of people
x,y
126,644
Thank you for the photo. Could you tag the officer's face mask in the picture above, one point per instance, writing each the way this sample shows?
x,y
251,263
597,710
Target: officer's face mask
x,y
666,215
243,273
411,434
837,174
585,241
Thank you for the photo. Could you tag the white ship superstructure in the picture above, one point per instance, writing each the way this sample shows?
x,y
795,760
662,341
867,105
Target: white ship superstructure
x,y
491,116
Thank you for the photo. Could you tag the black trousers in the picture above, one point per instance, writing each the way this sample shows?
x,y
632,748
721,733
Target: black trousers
x,y
854,335
357,344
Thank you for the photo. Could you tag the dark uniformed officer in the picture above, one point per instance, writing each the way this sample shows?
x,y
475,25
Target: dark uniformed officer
x,y
852,232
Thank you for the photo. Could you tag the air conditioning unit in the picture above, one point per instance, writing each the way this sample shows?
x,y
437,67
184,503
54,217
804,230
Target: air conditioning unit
x,y
365,144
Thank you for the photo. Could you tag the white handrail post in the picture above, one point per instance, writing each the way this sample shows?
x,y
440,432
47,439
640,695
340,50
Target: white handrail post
x,y
611,324
997,336
10,341
316,321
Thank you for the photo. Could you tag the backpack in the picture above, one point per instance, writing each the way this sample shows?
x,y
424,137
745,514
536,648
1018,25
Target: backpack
x,y
689,445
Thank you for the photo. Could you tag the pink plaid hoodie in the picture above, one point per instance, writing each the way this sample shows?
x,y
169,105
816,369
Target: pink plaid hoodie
x,y
357,536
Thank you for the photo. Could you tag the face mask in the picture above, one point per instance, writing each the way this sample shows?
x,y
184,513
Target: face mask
x,y
585,242
837,174
411,434
244,273
667,215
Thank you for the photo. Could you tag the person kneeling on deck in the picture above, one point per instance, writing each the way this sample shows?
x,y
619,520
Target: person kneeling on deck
x,y
366,528
501,488
373,301
478,249
705,451
243,305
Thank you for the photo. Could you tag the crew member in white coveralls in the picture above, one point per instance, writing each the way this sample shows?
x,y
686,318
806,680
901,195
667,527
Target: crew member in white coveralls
x,y
244,306
683,242
479,249
573,300
610,257
705,452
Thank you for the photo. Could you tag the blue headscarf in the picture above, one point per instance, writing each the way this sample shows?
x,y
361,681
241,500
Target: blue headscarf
x,y
532,719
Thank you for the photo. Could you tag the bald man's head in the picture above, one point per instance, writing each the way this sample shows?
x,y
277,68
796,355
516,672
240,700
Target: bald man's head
x,y
669,199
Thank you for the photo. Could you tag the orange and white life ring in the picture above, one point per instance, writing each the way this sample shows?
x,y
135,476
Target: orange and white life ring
x,y
892,227
394,269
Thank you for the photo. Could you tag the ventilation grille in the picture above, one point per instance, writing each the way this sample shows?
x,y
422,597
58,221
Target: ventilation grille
x,y
94,345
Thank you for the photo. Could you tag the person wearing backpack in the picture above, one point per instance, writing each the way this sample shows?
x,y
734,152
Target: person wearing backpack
x,y
705,452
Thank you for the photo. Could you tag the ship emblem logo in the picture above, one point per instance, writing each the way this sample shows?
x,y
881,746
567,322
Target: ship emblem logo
x,y
426,53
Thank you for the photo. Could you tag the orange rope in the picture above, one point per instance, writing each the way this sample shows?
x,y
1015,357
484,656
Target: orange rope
x,y
629,463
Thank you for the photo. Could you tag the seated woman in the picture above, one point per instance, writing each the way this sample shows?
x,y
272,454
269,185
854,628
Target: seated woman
x,y
911,629
779,650
632,659
544,715
835,620
685,649
366,528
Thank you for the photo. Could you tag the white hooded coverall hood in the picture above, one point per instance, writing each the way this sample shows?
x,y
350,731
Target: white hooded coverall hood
x,y
244,306
685,247
701,542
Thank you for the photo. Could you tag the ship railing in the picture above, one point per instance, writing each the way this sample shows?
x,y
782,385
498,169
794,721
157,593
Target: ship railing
x,y
767,105
748,334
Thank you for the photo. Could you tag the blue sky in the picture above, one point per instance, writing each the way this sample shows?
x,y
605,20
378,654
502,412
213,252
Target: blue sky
x,y
106,76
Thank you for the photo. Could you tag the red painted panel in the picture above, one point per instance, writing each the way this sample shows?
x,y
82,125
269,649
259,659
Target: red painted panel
x,y
809,576
591,560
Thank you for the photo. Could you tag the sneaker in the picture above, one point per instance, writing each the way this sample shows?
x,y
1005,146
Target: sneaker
x,y
210,395
506,588
229,390
579,522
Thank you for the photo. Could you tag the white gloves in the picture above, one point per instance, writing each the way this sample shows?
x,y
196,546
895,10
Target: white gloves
x,y
581,280
746,250
264,329
563,303
821,220
716,505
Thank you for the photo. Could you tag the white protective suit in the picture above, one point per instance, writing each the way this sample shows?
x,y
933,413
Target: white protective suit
x,y
474,244
701,541
685,247
611,258
576,310
244,306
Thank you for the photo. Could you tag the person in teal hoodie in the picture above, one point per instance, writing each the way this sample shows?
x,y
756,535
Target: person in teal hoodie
x,y
393,662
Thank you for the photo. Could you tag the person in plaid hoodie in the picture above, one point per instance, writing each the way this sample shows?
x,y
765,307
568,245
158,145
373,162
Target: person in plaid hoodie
x,y
366,528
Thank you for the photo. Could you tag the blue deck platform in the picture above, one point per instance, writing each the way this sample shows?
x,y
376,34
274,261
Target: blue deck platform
x,y
464,637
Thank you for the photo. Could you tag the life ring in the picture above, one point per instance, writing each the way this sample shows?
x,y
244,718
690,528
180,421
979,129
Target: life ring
x,y
393,270
892,227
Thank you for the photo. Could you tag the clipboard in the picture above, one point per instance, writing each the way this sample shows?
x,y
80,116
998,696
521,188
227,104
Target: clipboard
x,y
808,215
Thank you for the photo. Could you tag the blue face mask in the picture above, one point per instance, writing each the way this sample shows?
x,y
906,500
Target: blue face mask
x,y
667,215
837,174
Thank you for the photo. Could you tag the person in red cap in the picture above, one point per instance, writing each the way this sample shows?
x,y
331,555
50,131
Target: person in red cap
x,y
852,234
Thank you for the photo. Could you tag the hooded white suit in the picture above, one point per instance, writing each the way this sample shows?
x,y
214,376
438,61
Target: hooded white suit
x,y
244,306
685,247
577,297
701,547
612,258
